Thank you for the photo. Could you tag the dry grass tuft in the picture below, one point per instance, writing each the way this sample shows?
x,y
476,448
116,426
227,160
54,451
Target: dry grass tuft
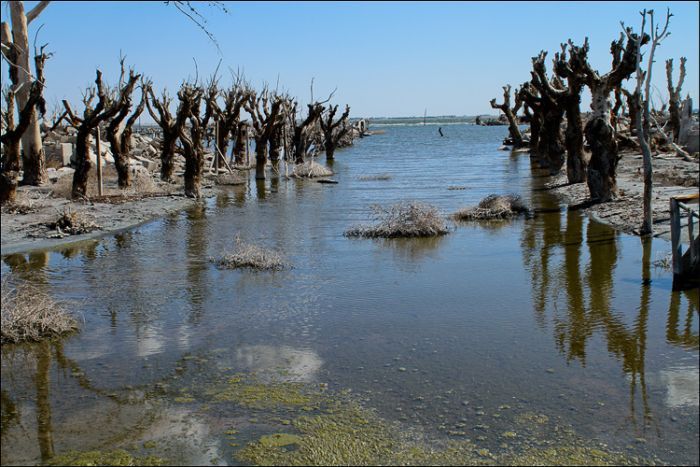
x,y
247,255
367,178
71,222
30,315
311,169
231,179
406,219
494,207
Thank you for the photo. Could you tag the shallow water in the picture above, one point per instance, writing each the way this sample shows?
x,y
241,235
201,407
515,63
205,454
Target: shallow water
x,y
450,337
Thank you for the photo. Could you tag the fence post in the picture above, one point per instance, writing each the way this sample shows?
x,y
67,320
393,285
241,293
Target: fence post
x,y
98,157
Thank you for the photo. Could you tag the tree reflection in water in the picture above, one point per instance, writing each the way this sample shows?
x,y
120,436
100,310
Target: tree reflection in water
x,y
589,296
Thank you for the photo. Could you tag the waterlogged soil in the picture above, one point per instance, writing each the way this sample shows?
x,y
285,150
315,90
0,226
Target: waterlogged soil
x,y
547,340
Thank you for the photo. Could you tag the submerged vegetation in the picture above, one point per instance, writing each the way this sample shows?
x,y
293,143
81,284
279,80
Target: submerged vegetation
x,y
331,428
494,207
117,457
29,314
406,219
248,255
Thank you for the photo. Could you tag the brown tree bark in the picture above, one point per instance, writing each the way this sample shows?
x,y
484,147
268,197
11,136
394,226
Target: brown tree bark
x,y
573,137
302,131
168,126
551,145
105,109
530,96
9,166
264,110
333,132
190,101
510,114
120,138
600,134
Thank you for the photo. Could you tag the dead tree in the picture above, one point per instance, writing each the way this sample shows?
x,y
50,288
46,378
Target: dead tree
x,y
532,101
190,97
333,132
551,144
510,113
168,125
264,111
229,118
642,107
33,157
302,136
107,107
599,132
616,49
11,137
573,136
119,136
674,97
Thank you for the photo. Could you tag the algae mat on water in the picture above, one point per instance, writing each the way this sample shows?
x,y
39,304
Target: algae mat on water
x,y
328,428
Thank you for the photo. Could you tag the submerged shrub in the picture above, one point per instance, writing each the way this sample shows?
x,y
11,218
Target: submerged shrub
x,y
406,219
29,314
494,207
367,178
72,223
247,255
311,169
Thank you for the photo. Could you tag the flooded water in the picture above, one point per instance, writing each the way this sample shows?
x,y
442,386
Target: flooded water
x,y
556,319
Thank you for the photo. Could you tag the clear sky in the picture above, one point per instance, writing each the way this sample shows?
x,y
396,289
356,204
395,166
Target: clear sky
x,y
385,58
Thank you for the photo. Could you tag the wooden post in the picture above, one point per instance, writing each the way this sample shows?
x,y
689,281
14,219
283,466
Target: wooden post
x,y
676,247
98,157
691,236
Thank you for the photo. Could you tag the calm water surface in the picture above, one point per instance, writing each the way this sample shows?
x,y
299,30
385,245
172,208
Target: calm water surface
x,y
555,315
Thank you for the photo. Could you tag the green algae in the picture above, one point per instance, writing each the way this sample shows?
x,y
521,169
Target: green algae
x,y
117,457
342,432
251,393
569,455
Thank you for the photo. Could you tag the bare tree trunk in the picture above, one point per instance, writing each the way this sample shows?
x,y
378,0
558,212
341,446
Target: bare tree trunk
x,y
167,155
33,159
575,160
674,97
513,128
239,148
260,158
82,162
602,182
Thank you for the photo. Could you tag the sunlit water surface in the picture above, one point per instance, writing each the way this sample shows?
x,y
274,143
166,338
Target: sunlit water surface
x,y
555,315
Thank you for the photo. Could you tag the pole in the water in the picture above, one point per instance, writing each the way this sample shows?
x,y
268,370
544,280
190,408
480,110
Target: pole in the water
x,y
440,131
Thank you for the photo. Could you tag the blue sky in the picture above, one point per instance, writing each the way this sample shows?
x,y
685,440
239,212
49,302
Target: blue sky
x,y
385,58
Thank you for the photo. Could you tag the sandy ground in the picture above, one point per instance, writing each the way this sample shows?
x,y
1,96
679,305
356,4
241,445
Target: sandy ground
x,y
28,231
671,176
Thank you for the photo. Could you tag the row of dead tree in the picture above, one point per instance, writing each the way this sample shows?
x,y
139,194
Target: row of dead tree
x,y
275,125
546,99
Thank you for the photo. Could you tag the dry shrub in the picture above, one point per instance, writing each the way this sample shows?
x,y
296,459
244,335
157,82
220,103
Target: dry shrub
x,y
405,219
494,207
367,178
247,255
230,179
71,222
29,314
311,169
